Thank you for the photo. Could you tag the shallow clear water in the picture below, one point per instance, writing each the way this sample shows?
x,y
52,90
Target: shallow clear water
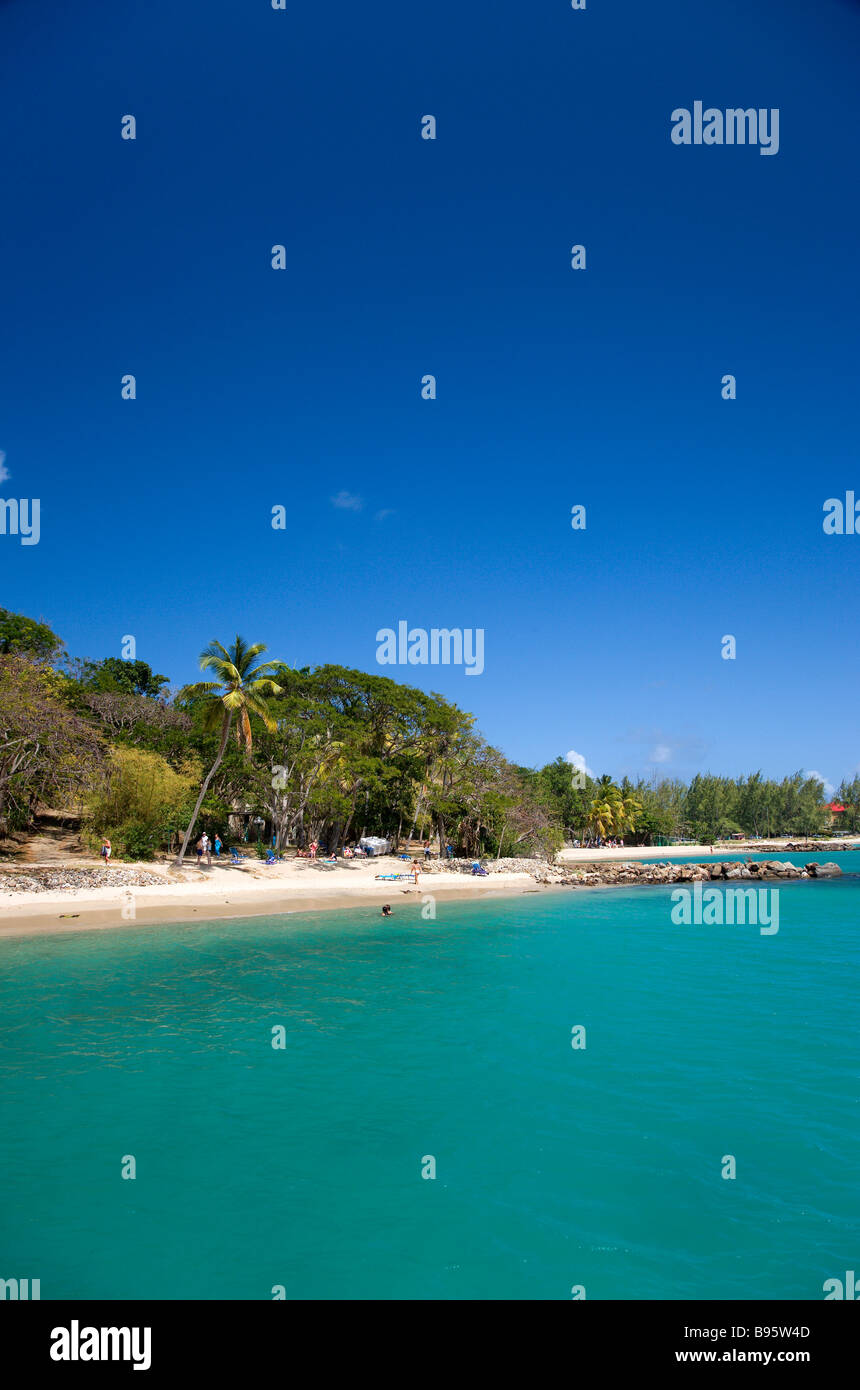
x,y
449,1038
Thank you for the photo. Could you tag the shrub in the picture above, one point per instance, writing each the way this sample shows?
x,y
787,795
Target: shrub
x,y
135,840
142,799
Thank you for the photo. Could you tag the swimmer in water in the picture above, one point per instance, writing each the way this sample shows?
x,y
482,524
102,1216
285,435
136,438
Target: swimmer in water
x,y
386,911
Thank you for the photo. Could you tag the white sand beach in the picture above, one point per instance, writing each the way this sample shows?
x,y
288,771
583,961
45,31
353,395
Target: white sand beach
x,y
244,890
294,886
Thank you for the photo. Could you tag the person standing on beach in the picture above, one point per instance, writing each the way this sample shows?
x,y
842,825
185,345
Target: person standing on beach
x,y
207,850
313,849
217,847
199,849
105,850
415,871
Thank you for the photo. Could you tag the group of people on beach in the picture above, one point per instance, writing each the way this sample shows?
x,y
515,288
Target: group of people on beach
x,y
205,847
314,848
428,853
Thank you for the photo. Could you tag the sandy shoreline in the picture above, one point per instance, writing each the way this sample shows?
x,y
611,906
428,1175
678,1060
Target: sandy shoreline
x,y
296,886
229,891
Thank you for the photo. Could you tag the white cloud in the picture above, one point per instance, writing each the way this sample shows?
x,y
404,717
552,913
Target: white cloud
x,y
4,471
386,511
663,746
577,760
347,502
829,788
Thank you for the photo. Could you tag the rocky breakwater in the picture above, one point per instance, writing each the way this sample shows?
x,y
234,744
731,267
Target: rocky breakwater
x,y
592,875
610,872
804,847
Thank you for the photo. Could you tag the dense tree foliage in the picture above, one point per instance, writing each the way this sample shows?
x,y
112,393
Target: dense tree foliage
x,y
709,808
48,754
20,636
141,801
115,676
328,754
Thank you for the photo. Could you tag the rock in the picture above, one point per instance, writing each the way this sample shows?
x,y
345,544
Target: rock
x,y
50,880
828,870
624,872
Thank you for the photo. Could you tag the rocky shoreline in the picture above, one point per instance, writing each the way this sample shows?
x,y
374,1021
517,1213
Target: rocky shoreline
x,y
609,872
802,847
57,879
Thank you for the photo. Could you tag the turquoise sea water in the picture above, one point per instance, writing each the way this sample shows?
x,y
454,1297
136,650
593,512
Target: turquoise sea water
x,y
848,861
449,1038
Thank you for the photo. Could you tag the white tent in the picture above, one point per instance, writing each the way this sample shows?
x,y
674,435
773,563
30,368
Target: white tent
x,y
374,842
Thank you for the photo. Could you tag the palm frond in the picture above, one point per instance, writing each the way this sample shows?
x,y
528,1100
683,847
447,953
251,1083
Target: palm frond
x,y
217,649
225,670
198,689
264,687
258,707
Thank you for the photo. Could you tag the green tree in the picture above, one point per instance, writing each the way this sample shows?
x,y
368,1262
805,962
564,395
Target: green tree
x,y
141,801
240,690
20,636
47,752
848,794
118,677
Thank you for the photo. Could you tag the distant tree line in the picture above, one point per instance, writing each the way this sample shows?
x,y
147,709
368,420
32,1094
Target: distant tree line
x,y
709,808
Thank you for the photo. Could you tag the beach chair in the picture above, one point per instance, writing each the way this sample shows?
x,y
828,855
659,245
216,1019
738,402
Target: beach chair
x,y
272,858
236,857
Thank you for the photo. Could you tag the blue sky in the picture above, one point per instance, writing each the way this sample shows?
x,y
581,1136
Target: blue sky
x,y
452,257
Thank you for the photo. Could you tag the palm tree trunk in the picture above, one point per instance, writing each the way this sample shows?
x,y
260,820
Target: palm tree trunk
x,y
228,719
440,830
419,811
349,823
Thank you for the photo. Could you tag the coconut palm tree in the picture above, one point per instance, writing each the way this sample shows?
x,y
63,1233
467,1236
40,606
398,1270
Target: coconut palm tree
x,y
602,815
240,690
631,810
